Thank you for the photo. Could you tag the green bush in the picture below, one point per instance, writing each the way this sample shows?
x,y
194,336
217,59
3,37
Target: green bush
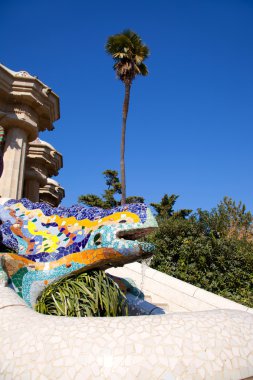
x,y
222,265
89,294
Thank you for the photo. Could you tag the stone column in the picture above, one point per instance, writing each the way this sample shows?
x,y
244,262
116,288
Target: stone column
x,y
1,150
34,179
32,188
11,182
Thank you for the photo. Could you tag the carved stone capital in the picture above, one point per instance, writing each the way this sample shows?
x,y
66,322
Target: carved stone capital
x,y
20,91
52,193
41,153
23,117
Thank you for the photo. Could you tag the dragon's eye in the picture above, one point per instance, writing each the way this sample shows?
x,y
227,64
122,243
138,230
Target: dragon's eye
x,y
122,221
97,239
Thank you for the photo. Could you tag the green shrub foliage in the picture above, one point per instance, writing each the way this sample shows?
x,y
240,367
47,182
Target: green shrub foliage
x,y
212,250
89,294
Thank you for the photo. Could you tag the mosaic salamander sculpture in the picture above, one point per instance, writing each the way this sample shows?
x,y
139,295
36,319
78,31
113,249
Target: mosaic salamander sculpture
x,y
48,243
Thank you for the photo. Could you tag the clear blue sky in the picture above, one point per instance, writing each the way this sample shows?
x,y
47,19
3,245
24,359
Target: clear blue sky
x,y
190,125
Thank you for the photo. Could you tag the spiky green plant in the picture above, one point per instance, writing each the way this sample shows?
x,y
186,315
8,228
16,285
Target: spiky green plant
x,y
89,294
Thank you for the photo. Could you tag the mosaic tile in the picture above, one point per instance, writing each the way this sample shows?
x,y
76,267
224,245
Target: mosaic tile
x,y
50,243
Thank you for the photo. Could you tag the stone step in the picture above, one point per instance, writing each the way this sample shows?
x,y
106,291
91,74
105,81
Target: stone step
x,y
148,298
152,299
168,307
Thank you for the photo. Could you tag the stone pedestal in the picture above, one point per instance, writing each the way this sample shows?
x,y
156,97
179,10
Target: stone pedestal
x,y
11,183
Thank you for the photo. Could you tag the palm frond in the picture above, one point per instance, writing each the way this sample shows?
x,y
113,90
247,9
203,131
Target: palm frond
x,y
128,52
118,43
143,69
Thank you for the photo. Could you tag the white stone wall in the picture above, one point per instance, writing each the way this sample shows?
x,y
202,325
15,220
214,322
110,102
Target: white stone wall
x,y
214,344
175,294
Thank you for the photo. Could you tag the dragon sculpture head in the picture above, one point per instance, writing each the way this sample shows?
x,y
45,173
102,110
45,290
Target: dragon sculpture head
x,y
49,243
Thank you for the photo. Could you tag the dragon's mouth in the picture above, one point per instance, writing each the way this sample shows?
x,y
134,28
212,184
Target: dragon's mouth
x,y
134,234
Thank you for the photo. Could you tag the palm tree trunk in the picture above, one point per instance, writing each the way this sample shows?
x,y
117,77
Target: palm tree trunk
x,y
123,138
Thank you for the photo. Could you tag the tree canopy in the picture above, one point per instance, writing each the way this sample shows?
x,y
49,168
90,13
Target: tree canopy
x,y
164,209
210,249
109,196
128,53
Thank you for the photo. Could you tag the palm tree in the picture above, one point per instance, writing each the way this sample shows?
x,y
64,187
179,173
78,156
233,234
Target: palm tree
x,y
128,53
